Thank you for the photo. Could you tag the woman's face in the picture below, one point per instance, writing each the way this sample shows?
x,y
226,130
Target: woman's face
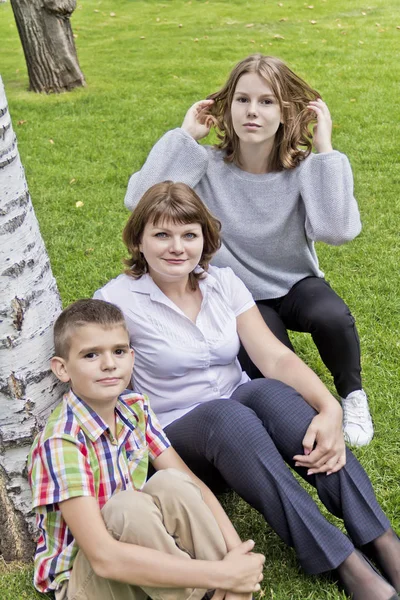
x,y
255,110
172,250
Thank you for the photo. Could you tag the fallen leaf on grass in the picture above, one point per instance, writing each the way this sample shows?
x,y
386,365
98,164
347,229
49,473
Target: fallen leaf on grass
x,y
72,181
278,37
96,11
89,251
142,37
398,27
311,6
51,141
363,14
22,122
353,100
79,204
360,42
249,25
313,22
196,39
280,3
252,41
112,14
283,19
75,35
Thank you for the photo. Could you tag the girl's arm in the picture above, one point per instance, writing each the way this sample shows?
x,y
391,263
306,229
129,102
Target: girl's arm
x,y
176,156
326,187
323,443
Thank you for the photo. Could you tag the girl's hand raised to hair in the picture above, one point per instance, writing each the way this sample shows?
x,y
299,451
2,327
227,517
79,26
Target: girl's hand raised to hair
x,y
196,123
322,134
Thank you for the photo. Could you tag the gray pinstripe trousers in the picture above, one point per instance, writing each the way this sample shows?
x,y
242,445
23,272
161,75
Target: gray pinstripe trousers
x,y
246,442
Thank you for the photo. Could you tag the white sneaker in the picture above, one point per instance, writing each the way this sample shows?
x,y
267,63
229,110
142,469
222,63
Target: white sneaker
x,y
358,429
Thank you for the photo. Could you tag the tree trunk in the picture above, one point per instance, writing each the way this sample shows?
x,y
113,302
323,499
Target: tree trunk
x,y
29,303
46,35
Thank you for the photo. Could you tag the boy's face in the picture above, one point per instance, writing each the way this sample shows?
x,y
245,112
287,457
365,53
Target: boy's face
x,y
99,363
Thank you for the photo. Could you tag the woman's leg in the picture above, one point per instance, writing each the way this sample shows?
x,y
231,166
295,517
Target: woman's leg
x,y
232,438
347,494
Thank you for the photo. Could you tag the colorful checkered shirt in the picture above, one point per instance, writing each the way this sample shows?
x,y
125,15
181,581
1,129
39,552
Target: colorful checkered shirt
x,y
77,455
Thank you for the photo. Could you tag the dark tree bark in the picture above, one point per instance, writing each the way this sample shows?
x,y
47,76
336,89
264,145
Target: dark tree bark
x,y
46,35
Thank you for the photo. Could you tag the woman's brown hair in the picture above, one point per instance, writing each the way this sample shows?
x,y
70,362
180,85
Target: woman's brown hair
x,y
176,202
293,140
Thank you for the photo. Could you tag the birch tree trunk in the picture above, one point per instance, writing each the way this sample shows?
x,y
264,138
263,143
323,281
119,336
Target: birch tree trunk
x,y
29,303
46,35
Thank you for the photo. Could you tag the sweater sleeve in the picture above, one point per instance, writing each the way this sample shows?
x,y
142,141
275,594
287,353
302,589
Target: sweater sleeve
x,y
176,157
326,188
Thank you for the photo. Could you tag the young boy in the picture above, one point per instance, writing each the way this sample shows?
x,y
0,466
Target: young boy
x,y
104,532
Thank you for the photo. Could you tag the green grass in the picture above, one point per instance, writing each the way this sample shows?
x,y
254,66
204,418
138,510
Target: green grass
x,y
143,71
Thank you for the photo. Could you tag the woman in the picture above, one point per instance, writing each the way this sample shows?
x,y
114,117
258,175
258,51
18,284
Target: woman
x,y
185,320
275,199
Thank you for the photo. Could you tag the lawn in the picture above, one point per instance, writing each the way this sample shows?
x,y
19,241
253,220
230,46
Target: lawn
x,y
145,63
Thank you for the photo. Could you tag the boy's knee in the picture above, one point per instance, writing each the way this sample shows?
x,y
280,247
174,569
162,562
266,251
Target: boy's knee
x,y
126,507
172,484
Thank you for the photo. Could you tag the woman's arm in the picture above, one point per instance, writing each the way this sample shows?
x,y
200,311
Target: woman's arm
x,y
324,448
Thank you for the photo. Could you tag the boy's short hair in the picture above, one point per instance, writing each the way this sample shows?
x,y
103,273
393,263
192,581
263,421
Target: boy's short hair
x,y
80,313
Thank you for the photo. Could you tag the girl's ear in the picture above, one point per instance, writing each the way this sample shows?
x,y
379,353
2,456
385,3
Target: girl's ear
x,y
59,367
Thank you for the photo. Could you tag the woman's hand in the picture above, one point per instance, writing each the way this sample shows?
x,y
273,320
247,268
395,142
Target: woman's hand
x,y
322,134
323,443
196,123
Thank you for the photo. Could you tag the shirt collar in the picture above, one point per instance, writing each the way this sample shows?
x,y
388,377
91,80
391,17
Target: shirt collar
x,y
146,285
91,423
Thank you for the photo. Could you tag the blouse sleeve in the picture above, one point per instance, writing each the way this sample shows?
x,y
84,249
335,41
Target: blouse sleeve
x,y
326,188
175,157
236,294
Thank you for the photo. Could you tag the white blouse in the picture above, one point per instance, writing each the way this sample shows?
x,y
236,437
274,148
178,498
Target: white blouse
x,y
178,363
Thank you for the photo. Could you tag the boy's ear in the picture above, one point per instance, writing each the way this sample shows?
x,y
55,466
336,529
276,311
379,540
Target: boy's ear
x,y
59,368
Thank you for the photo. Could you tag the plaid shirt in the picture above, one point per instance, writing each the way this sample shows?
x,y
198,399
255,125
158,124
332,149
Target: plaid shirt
x,y
77,455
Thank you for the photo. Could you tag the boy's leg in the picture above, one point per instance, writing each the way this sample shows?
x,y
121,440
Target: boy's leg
x,y
163,523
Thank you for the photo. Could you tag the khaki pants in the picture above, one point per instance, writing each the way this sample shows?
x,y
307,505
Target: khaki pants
x,y
167,515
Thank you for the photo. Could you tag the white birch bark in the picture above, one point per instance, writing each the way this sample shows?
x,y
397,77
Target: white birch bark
x,y
29,303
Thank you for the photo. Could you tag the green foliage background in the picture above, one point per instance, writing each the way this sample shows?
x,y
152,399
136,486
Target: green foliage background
x,y
145,63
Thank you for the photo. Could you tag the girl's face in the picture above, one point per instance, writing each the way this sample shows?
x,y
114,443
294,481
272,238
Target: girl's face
x,y
172,250
255,110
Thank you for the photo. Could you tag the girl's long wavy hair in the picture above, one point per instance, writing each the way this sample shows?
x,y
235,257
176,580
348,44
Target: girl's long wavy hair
x,y
293,140
176,202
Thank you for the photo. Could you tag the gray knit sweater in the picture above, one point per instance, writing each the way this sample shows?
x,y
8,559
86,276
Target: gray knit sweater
x,y
269,221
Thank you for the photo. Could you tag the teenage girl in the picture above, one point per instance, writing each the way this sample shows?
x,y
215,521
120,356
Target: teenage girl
x,y
275,198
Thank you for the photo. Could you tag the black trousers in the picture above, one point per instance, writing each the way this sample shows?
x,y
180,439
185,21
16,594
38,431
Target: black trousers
x,y
312,306
246,441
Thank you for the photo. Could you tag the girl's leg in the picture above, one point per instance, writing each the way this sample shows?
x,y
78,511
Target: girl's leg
x,y
347,494
232,438
312,306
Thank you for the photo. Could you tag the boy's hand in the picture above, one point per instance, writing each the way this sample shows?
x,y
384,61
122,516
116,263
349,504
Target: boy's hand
x,y
322,134
244,569
196,123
